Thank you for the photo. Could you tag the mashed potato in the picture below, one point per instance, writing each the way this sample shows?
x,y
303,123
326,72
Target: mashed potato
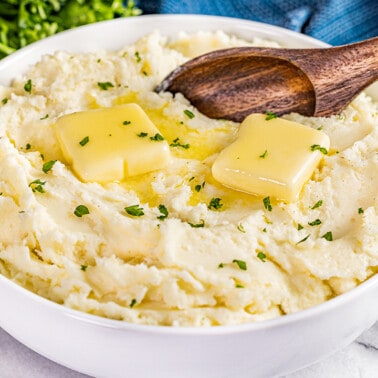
x,y
200,254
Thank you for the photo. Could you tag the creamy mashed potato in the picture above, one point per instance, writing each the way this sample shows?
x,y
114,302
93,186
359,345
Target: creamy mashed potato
x,y
215,256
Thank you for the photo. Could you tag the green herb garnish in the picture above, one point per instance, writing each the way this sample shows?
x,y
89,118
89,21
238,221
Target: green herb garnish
x,y
241,228
241,264
360,210
197,225
137,56
142,134
267,205
37,186
83,267
303,240
157,137
270,115
328,236
221,265
317,147
134,210
84,141
48,166
45,117
299,227
261,255
318,204
81,210
4,100
189,114
176,143
316,222
125,123
133,303
163,211
105,85
215,204
28,86
264,155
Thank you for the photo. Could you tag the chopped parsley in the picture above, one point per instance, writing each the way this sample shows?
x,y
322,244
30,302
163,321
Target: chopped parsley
x,y
317,147
163,211
45,117
133,303
28,86
125,123
157,137
328,236
198,187
189,114
299,227
267,205
239,286
105,85
4,100
215,204
84,141
360,210
261,255
137,56
318,204
197,225
270,115
304,239
264,155
28,146
176,143
48,166
142,134
81,210
241,264
134,210
84,267
316,222
221,265
37,186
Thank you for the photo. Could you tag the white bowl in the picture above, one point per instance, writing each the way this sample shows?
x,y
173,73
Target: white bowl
x,y
108,348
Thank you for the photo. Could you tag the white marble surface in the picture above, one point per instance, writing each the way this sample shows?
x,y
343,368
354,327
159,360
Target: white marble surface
x,y
358,360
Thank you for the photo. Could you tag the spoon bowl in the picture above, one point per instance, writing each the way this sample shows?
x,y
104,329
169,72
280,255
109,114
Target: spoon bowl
x,y
235,82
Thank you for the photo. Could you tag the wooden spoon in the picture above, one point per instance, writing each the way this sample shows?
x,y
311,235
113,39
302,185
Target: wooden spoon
x,y
235,82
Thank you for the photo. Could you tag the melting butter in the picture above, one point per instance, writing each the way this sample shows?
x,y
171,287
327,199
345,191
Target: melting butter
x,y
272,157
110,144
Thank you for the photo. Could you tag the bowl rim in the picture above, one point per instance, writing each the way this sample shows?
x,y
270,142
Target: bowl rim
x,y
123,325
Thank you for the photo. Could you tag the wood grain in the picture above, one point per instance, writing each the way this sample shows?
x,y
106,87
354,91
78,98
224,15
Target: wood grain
x,y
235,82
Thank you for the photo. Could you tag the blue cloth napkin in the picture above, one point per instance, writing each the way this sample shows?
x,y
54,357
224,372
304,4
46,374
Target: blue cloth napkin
x,y
333,21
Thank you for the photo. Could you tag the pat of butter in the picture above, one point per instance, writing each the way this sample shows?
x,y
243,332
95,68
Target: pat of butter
x,y
110,144
272,157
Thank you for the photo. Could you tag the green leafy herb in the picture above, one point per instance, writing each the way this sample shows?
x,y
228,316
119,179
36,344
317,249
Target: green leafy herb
x,y
28,86
25,21
133,303
176,143
157,137
142,134
84,141
28,146
270,115
221,265
241,264
105,85
299,227
81,210
4,100
84,267
45,117
316,222
134,210
264,155
163,211
189,114
215,204
318,204
37,186
125,123
48,166
317,147
267,205
328,236
303,240
261,255
137,56
197,225
360,210
239,286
